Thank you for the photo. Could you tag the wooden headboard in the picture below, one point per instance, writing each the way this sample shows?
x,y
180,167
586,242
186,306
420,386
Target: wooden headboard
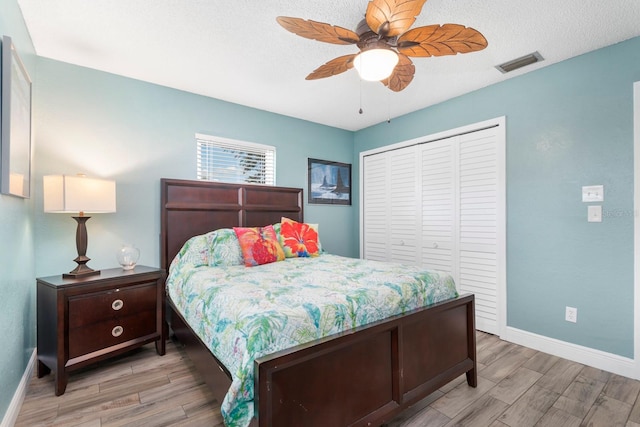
x,y
190,208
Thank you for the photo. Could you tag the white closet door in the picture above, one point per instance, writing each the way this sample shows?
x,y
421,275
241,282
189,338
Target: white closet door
x,y
438,201
402,201
375,215
478,227
441,204
390,206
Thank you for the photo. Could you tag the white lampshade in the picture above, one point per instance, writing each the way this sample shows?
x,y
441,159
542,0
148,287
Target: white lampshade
x,y
375,64
63,193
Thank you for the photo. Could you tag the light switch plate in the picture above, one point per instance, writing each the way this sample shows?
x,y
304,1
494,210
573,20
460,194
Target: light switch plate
x,y
593,193
594,213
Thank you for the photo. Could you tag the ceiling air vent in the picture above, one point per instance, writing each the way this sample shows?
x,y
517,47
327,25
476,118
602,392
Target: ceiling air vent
x,y
523,61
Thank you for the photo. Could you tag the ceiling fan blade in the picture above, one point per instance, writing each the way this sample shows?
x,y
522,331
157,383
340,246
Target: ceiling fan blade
x,y
318,30
390,18
335,66
402,75
439,40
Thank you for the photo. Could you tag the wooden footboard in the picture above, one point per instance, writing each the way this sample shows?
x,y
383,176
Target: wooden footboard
x,y
362,377
368,375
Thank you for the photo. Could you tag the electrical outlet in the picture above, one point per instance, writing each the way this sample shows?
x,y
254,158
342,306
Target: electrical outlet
x,y
571,314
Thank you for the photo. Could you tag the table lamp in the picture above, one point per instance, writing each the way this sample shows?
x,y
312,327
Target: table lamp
x,y
79,194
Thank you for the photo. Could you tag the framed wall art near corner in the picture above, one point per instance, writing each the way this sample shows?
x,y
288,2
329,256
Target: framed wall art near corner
x,y
15,155
329,182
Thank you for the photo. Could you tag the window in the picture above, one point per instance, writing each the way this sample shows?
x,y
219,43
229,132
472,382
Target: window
x,y
227,160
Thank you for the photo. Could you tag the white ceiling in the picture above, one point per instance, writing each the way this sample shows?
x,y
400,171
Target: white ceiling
x,y
235,51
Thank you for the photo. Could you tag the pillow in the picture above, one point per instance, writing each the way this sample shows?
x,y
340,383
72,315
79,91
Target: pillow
x,y
259,245
299,239
277,227
224,248
195,252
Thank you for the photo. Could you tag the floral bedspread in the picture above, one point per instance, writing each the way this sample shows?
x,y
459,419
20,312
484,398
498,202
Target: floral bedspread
x,y
243,313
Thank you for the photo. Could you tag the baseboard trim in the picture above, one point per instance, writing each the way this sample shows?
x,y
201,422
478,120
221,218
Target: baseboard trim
x,y
587,356
13,410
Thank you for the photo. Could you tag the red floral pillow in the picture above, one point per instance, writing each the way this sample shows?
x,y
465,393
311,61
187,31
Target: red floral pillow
x,y
259,245
299,239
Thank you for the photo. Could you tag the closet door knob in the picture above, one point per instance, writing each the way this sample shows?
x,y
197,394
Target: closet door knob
x,y
435,246
117,304
117,331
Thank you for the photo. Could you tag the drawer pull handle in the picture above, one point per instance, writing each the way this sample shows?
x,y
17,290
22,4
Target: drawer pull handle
x,y
117,331
117,304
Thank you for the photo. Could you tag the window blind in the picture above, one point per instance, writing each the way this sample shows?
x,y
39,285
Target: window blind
x,y
227,160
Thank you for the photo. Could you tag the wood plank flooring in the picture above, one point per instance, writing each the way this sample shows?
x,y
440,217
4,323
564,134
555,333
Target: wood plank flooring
x,y
517,387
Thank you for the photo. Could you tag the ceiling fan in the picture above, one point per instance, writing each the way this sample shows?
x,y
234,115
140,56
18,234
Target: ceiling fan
x,y
385,33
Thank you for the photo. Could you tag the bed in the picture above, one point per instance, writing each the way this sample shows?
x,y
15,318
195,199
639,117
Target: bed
x,y
357,376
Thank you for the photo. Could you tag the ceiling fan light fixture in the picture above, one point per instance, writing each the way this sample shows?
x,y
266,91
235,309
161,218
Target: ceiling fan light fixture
x,y
385,34
375,64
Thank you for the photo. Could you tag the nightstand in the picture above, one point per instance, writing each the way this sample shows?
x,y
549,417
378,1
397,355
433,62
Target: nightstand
x,y
82,321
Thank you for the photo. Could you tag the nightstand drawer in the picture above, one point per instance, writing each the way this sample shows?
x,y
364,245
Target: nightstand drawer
x,y
87,339
115,303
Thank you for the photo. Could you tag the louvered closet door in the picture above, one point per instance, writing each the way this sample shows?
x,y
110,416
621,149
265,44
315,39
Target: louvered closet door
x,y
403,207
478,227
375,216
390,206
440,204
439,210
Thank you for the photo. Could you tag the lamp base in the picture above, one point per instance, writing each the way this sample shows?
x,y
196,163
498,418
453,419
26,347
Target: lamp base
x,y
81,271
82,259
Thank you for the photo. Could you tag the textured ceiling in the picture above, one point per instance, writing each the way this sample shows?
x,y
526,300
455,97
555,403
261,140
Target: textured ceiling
x,y
235,51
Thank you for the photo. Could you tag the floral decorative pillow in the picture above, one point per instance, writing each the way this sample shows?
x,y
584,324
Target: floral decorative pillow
x,y
195,251
259,245
277,227
299,239
224,247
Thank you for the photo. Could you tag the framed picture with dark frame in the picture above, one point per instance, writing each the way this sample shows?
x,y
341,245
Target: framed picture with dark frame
x,y
15,153
329,182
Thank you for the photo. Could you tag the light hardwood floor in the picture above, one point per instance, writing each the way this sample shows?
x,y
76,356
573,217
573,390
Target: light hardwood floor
x,y
517,387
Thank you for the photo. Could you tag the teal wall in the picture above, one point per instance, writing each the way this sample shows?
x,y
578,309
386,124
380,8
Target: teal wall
x,y
568,125
17,278
136,133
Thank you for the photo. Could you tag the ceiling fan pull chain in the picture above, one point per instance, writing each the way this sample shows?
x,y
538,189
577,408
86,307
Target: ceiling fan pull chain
x,y
360,110
388,107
